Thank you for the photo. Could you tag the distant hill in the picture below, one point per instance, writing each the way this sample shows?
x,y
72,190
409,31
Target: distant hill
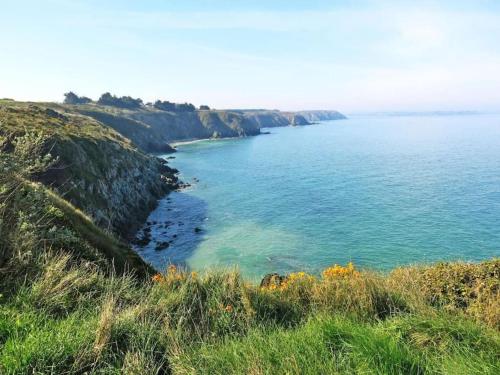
x,y
275,118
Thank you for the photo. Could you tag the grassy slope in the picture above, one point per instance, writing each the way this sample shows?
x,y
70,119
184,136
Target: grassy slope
x,y
122,258
71,320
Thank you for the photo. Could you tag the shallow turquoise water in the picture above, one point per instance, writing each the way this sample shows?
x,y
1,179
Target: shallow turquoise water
x,y
378,191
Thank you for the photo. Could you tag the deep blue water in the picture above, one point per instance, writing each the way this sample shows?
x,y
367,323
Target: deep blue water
x,y
378,191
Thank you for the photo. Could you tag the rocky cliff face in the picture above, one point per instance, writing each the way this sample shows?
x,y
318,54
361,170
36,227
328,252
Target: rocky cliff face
x,y
319,115
270,119
117,186
97,169
296,119
267,119
152,129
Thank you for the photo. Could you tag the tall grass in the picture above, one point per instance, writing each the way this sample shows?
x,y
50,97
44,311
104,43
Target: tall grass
x,y
70,320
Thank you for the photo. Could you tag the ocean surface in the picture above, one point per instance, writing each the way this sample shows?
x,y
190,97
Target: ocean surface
x,y
380,191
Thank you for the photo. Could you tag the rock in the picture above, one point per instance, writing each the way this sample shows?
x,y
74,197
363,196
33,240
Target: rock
x,y
143,240
162,245
272,279
197,230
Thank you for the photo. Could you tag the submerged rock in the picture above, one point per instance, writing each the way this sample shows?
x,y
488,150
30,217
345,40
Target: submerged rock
x,y
162,245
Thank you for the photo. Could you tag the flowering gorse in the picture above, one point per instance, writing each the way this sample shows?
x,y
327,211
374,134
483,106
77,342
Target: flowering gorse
x,y
336,271
303,279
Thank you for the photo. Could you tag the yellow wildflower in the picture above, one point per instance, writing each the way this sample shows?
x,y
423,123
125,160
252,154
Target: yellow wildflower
x,y
337,271
157,278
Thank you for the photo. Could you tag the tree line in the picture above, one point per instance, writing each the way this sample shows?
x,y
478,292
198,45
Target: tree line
x,y
131,103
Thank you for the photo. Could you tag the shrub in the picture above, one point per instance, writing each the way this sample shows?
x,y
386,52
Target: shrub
x,y
468,287
174,107
121,102
72,98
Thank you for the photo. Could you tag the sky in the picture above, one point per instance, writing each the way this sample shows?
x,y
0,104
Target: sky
x,y
364,55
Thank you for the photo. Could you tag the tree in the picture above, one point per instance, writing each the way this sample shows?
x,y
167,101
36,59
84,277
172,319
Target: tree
x,y
186,107
174,107
164,105
204,108
123,102
72,98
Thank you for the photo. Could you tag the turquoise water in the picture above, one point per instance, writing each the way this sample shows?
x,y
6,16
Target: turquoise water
x,y
378,191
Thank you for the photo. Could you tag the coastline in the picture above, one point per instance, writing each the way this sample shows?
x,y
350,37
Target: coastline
x,y
187,142
182,143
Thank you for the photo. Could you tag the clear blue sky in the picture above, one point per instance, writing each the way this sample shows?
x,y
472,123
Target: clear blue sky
x,y
346,55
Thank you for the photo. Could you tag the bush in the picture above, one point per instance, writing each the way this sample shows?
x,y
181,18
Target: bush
x,y
123,102
174,107
467,287
72,98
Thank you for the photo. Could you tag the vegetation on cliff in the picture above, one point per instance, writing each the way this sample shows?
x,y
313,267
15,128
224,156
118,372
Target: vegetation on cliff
x,y
97,169
120,102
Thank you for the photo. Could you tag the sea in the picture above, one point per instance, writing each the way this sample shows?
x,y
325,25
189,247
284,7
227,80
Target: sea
x,y
380,191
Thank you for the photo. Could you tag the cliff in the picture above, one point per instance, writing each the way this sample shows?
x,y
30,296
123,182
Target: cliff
x,y
152,129
275,118
320,115
97,170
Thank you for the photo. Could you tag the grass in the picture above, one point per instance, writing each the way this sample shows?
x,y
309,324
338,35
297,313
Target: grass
x,y
71,319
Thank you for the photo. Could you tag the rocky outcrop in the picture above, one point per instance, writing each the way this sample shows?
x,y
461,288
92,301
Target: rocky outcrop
x,y
272,279
297,120
118,187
